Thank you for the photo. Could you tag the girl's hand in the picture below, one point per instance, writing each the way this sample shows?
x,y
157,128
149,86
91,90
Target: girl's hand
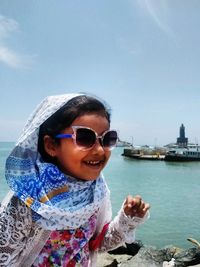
x,y
135,206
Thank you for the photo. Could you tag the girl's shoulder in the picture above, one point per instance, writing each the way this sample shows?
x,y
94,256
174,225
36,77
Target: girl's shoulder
x,y
13,209
19,234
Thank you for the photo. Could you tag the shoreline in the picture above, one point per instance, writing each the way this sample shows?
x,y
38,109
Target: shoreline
x,y
139,255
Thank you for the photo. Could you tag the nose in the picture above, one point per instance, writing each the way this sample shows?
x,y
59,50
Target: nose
x,y
98,146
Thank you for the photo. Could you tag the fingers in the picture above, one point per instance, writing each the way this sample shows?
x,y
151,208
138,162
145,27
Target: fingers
x,y
143,211
135,206
135,202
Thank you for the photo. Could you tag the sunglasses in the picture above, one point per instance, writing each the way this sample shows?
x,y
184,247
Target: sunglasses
x,y
86,138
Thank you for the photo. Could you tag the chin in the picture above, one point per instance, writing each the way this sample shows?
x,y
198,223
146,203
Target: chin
x,y
90,177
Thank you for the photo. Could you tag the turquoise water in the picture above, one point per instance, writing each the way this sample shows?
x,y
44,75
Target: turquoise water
x,y
172,189
5,148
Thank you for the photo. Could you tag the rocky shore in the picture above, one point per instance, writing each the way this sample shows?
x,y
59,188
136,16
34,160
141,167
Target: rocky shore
x,y
139,255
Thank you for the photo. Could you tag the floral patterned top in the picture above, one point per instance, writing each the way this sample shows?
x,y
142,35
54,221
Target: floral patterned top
x,y
66,248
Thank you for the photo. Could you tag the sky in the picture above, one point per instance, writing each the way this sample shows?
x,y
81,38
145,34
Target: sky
x,y
141,56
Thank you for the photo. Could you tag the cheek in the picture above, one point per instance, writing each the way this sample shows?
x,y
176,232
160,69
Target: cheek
x,y
73,156
107,155
69,163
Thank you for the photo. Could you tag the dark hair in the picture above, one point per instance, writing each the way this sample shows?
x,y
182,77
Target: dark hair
x,y
64,117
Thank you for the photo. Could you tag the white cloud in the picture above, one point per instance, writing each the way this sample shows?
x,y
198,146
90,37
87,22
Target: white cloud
x,y
8,56
158,11
14,60
7,26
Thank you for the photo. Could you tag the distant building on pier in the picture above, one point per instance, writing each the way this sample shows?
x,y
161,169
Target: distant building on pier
x,y
182,141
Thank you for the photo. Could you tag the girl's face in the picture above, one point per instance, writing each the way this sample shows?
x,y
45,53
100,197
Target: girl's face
x,y
72,160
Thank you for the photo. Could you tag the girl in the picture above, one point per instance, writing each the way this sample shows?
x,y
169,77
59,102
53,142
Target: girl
x,y
58,211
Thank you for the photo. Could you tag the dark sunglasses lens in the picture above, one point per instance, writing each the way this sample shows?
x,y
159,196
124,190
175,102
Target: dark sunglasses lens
x,y
85,137
110,139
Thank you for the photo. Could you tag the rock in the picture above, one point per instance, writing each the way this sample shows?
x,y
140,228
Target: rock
x,y
188,257
132,249
129,249
108,260
137,261
137,255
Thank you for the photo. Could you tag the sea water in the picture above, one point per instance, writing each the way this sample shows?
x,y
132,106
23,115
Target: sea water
x,y
172,189
5,148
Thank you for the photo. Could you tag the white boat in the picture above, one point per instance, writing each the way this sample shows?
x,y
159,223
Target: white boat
x,y
183,154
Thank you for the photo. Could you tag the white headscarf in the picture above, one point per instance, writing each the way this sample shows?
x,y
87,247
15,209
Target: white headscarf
x,y
57,201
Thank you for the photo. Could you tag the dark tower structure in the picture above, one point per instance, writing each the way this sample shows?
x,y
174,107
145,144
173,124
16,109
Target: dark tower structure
x,y
182,141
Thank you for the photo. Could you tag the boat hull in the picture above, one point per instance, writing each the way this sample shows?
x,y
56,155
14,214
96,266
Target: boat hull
x,y
180,158
136,154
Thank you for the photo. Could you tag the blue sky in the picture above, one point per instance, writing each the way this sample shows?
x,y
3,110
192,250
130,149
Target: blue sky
x,y
141,56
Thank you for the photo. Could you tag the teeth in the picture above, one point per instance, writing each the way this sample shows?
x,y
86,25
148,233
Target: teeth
x,y
93,162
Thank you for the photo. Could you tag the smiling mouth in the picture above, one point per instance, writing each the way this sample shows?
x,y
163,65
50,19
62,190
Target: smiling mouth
x,y
94,163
